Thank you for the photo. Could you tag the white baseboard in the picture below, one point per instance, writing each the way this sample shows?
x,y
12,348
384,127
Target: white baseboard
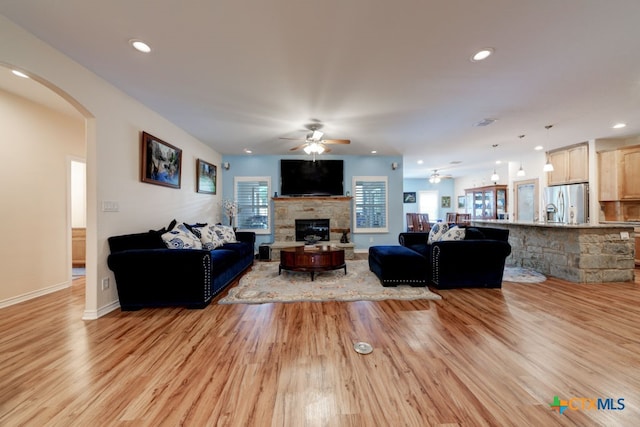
x,y
94,314
34,294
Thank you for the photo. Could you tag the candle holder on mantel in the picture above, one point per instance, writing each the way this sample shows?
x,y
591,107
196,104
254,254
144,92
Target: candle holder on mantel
x,y
345,238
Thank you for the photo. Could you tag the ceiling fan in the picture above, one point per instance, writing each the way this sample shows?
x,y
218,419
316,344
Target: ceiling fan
x,y
436,177
313,142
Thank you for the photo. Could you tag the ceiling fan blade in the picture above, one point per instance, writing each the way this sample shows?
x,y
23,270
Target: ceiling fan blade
x,y
336,141
297,147
326,150
293,139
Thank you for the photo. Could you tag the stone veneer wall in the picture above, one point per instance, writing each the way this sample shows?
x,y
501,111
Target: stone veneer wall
x,y
588,254
288,209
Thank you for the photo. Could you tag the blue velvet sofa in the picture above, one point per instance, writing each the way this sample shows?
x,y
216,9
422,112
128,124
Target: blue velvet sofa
x,y
477,261
148,274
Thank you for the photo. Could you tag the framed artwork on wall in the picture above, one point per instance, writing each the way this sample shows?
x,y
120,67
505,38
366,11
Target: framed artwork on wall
x,y
160,162
461,202
445,202
409,197
207,177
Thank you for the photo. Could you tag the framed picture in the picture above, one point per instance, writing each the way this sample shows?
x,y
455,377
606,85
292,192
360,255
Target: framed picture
x,y
160,162
446,202
409,197
206,179
461,202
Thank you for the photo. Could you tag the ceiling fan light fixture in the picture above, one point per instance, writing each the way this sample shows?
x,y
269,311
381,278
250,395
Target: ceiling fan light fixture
x,y
317,135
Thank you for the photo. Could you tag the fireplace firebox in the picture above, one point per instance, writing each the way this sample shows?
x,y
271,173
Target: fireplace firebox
x,y
305,228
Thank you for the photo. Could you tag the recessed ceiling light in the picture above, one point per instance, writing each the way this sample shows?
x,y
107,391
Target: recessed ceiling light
x,y
482,54
140,46
538,147
246,150
20,74
420,162
455,162
498,162
374,152
619,125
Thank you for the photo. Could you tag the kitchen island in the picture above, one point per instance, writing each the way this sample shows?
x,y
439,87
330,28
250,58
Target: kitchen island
x,y
582,253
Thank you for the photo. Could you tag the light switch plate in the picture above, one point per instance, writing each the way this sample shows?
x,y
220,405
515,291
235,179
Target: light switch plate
x,y
110,206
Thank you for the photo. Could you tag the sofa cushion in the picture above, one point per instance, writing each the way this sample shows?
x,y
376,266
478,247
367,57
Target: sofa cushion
x,y
210,238
150,240
225,233
181,238
437,230
453,233
240,248
473,233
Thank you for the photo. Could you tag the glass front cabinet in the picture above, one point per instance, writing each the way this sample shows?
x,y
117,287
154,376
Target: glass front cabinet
x,y
488,202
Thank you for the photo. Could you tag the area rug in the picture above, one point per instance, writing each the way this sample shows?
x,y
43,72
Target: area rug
x,y
522,275
263,285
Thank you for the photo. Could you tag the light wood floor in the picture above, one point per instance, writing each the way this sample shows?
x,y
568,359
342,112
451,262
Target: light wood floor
x,y
477,357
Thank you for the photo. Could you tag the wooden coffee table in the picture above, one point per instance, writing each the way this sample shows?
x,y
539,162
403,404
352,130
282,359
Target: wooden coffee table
x,y
313,260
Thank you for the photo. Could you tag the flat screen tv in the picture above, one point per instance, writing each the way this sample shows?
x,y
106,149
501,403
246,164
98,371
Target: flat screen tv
x,y
309,178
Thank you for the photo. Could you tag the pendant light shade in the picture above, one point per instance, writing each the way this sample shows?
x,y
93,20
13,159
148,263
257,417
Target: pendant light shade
x,y
548,167
520,171
495,177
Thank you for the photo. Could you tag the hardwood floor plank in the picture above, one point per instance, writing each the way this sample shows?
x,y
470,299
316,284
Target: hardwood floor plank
x,y
479,357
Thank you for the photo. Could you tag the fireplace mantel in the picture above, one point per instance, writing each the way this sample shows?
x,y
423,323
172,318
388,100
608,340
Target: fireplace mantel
x,y
301,198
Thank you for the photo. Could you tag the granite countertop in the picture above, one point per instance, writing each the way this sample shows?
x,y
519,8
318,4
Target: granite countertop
x,y
553,224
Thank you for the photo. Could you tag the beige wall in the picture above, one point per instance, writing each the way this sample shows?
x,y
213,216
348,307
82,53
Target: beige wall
x,y
35,143
113,125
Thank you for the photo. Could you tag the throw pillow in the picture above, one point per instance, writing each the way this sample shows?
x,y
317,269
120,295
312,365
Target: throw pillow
x,y
437,230
454,233
473,233
209,238
226,233
181,238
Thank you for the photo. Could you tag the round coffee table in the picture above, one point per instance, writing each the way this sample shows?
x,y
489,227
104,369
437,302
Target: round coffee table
x,y
314,259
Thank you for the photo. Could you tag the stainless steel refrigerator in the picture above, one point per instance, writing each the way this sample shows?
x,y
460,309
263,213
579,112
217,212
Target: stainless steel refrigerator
x,y
568,204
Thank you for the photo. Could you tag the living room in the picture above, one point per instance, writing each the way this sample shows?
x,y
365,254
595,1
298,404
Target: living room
x,y
479,357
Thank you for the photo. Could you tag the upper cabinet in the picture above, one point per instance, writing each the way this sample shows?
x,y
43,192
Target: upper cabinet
x,y
619,174
570,165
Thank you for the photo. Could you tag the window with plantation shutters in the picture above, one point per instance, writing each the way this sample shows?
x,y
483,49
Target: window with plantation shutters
x,y
254,207
370,204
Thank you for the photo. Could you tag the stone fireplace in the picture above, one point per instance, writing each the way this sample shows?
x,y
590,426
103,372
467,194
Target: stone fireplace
x,y
336,210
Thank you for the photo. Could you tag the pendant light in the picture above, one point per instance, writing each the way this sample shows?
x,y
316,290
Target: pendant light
x,y
548,167
520,171
495,177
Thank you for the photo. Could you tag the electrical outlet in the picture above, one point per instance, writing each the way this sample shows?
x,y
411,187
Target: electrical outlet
x,y
624,235
105,283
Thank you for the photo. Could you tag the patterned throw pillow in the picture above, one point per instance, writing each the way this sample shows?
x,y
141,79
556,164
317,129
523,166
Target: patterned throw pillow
x,y
181,238
225,233
209,238
438,229
454,233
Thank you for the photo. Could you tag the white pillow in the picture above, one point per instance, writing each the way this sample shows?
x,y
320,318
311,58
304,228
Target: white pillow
x,y
437,230
225,233
180,237
454,233
209,238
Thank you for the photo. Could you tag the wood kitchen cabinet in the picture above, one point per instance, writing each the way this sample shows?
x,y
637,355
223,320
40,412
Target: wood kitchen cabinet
x,y
570,165
630,168
619,174
487,202
78,245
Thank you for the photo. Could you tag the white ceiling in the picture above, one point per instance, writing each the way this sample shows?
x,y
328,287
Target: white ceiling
x,y
391,76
